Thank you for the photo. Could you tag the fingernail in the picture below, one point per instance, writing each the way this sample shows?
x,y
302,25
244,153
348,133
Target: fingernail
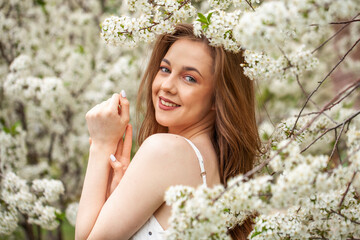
x,y
113,158
123,93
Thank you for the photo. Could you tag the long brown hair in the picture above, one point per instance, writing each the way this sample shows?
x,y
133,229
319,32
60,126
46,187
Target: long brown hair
x,y
235,137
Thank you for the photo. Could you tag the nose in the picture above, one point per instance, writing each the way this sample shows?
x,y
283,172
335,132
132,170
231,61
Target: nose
x,y
169,83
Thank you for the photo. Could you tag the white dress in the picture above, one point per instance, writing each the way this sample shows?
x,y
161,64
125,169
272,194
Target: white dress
x,y
152,228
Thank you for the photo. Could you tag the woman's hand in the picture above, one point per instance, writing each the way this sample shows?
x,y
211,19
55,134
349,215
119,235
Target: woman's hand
x,y
120,163
107,121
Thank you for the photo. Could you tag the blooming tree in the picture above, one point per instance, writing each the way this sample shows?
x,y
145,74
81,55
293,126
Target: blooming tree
x,y
54,67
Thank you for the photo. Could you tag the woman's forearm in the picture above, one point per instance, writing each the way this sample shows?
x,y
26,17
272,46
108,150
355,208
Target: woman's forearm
x,y
95,187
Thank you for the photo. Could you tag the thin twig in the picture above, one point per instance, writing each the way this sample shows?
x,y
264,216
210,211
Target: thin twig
x,y
264,106
342,28
342,215
157,23
249,3
3,54
354,86
330,129
248,174
306,95
322,81
336,142
346,22
347,189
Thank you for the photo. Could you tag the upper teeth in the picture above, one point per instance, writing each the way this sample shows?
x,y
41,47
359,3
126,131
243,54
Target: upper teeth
x,y
168,104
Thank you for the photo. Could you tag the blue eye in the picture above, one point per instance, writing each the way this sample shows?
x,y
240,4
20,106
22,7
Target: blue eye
x,y
164,69
190,79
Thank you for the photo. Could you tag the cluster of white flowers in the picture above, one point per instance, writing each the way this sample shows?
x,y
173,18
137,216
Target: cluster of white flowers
x,y
12,148
44,216
8,220
286,128
197,216
49,78
267,25
71,212
218,27
241,4
262,67
318,217
301,200
50,189
30,201
159,17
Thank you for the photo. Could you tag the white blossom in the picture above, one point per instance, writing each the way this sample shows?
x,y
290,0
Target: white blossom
x,y
71,212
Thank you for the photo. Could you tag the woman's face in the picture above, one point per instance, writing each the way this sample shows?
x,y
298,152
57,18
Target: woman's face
x,y
182,91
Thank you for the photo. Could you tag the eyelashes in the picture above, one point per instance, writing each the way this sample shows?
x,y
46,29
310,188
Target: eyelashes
x,y
188,78
165,69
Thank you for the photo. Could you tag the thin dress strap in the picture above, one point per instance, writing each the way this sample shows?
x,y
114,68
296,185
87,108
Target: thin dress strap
x,y
201,161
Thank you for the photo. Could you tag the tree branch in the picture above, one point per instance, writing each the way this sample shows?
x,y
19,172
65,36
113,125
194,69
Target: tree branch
x,y
322,81
306,95
354,86
342,215
347,189
3,54
336,142
157,23
346,22
330,129
342,28
249,3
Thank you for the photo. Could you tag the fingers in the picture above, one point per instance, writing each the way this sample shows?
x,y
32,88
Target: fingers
x,y
114,102
126,153
119,149
117,166
123,151
125,114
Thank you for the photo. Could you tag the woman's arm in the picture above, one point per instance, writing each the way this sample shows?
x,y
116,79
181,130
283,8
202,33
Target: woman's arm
x,y
93,195
106,126
162,160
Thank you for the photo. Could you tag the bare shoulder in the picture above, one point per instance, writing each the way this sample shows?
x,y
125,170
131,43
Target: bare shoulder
x,y
165,148
165,142
170,156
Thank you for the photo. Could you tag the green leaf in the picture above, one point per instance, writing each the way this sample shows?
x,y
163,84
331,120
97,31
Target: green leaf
x,y
60,216
202,21
12,130
13,127
258,232
80,49
209,17
202,17
204,27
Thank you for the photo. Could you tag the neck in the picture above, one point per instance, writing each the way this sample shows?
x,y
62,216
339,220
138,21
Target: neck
x,y
204,127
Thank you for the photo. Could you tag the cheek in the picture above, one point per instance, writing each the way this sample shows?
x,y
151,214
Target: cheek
x,y
156,83
202,104
154,87
208,98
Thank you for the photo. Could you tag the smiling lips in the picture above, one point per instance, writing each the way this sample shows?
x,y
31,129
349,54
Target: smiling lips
x,y
166,104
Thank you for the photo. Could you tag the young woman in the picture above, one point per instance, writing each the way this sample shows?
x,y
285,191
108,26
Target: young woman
x,y
199,128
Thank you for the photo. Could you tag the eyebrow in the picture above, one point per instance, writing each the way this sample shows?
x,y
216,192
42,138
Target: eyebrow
x,y
187,68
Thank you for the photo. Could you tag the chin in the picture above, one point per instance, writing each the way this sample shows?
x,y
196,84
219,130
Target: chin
x,y
163,122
